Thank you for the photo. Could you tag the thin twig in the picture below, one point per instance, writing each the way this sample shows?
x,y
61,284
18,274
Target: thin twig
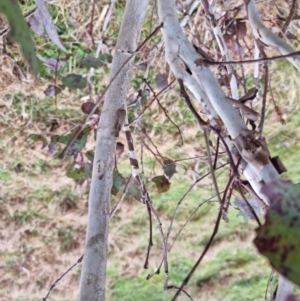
x,y
152,152
189,219
264,101
100,96
237,175
174,287
91,27
238,184
150,243
174,214
181,229
150,103
217,153
203,126
262,60
147,201
158,153
188,102
62,276
166,112
190,274
184,196
240,57
290,17
116,207
196,157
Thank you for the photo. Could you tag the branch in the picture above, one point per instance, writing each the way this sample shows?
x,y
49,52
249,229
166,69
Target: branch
x,y
100,97
262,60
290,16
61,277
146,200
261,32
223,47
179,52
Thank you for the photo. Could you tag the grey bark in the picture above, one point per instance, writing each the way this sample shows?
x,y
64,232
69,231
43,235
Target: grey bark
x,y
178,50
93,275
261,32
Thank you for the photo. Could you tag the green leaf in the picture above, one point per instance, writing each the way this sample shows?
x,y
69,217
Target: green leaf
x,y
76,146
118,182
20,31
135,192
278,238
90,155
90,62
169,168
41,138
74,81
162,183
79,172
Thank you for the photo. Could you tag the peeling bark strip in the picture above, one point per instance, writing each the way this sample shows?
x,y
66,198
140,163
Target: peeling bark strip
x,y
120,119
128,137
246,111
253,149
222,46
100,169
278,165
134,163
93,275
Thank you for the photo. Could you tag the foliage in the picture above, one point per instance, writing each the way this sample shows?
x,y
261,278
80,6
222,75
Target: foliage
x,y
74,81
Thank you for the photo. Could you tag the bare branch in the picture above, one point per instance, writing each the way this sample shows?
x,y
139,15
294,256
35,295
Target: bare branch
x,y
61,277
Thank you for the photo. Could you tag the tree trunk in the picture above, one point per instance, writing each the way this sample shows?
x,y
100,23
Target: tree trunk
x,y
93,275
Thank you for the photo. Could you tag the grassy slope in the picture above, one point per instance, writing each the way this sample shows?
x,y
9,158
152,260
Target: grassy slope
x,y
43,213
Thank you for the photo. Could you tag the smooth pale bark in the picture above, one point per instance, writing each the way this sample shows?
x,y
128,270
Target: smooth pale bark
x,y
179,51
93,275
261,32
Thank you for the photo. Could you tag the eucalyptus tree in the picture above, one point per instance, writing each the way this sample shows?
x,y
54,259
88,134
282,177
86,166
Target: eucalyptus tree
x,y
191,67
229,118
